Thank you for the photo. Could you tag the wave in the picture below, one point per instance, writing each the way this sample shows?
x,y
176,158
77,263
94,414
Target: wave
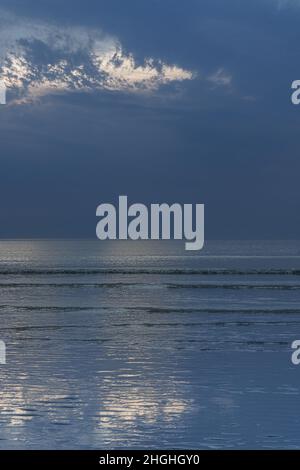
x,y
149,271
159,310
115,285
70,285
235,286
51,308
153,310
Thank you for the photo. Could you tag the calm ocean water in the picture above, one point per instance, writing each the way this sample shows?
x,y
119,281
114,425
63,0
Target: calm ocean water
x,y
142,345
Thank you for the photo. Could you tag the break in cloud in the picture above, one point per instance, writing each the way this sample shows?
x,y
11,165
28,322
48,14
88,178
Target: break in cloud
x,y
39,58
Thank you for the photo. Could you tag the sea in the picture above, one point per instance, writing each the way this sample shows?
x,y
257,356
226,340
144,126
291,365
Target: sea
x,y
143,345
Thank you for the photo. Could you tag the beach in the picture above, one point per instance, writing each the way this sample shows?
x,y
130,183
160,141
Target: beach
x,y
134,345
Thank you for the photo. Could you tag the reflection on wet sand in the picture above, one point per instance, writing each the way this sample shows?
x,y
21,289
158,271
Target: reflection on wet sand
x,y
142,365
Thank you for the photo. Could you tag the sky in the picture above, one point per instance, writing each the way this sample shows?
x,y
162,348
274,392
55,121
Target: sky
x,y
164,101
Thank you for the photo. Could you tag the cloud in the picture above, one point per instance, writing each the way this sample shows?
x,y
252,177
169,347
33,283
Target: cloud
x,y
220,78
281,4
39,58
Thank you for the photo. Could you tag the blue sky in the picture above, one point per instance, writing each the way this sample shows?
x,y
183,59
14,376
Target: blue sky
x,y
165,101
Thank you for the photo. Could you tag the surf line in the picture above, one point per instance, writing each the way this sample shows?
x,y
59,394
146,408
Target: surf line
x,y
159,222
